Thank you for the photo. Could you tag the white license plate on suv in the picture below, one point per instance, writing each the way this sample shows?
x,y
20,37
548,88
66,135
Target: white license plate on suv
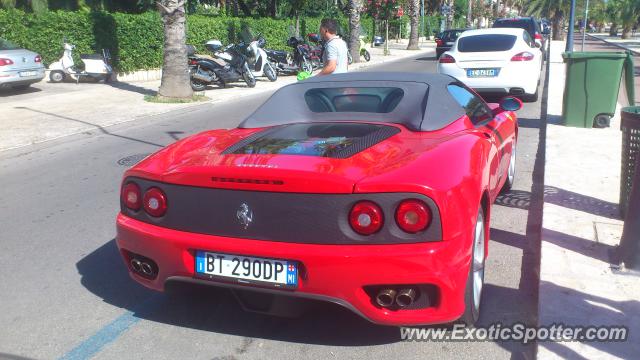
x,y
28,73
246,269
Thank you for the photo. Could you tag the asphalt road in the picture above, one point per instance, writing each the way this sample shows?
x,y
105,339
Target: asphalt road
x,y
65,292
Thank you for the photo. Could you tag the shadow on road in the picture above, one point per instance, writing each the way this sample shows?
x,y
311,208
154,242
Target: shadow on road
x,y
13,92
216,310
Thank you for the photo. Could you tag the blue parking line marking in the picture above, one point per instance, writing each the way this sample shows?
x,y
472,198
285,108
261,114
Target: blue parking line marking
x,y
91,346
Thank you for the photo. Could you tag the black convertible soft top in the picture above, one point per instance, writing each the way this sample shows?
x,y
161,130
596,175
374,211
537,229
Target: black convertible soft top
x,y
425,104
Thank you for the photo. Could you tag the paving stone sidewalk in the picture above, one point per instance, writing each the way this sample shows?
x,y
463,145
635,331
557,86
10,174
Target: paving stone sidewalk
x,y
581,227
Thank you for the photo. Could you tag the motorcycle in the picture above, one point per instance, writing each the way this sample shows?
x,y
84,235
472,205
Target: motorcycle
x,y
291,64
204,71
259,60
363,52
96,66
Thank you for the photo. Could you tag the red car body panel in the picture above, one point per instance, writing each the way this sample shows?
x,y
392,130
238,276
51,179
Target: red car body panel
x,y
458,167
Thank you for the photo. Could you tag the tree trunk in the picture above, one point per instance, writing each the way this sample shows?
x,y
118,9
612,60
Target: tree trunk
x,y
386,37
626,32
556,25
613,31
245,9
175,81
355,6
414,13
469,14
273,8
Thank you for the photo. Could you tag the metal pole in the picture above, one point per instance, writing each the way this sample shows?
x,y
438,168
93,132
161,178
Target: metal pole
x,y
572,19
586,21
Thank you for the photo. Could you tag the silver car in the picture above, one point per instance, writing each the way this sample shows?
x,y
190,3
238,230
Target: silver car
x,y
19,67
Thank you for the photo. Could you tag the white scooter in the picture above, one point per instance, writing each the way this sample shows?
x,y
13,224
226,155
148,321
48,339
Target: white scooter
x,y
259,61
96,66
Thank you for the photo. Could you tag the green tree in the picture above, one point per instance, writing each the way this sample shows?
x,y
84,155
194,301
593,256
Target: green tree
x,y
629,13
175,71
551,9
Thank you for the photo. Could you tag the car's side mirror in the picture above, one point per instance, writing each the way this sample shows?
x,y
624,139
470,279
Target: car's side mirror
x,y
510,103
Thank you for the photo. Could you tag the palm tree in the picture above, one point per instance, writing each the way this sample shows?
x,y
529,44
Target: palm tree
x,y
414,13
354,9
553,9
630,11
175,70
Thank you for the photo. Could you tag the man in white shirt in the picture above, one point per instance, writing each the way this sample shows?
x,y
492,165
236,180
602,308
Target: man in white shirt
x,y
334,57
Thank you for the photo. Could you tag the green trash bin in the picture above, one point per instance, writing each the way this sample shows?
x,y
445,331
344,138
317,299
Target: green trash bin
x,y
591,87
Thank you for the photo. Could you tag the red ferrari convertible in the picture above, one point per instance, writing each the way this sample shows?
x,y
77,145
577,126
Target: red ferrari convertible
x,y
369,190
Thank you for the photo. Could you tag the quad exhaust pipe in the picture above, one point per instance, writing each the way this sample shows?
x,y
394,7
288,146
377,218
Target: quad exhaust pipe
x,y
388,297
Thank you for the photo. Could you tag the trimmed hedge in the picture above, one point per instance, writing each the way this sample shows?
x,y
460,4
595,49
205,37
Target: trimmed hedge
x,y
136,40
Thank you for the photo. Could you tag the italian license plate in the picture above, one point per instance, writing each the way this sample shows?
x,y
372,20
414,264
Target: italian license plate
x,y
248,270
28,73
482,72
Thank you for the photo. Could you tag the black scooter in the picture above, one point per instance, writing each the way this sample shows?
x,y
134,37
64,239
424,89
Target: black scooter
x,y
291,64
205,71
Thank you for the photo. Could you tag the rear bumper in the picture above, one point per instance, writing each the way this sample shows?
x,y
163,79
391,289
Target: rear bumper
x,y
12,78
509,79
334,273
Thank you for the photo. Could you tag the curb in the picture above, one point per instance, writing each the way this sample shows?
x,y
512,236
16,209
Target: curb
x,y
635,52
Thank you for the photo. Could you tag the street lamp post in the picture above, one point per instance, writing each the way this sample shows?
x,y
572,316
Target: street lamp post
x,y
572,19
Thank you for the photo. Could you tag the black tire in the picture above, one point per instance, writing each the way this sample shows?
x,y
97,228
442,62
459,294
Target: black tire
x,y
198,86
248,76
511,170
472,305
366,55
307,66
270,72
57,76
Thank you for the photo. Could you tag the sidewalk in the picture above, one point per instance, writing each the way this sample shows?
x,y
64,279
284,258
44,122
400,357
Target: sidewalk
x,y
632,44
580,227
50,111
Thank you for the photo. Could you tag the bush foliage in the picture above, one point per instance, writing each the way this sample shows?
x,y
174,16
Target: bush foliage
x,y
135,40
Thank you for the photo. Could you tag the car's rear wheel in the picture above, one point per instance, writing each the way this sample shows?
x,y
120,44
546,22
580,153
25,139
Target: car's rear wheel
x,y
511,171
475,281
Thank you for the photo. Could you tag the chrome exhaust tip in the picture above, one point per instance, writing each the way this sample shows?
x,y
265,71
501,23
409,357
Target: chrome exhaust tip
x,y
386,297
405,297
146,268
136,265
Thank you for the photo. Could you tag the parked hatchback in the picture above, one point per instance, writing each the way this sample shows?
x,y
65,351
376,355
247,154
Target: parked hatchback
x,y
19,68
529,24
445,40
495,61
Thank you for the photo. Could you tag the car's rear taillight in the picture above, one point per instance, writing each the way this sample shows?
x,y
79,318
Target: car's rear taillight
x,y
446,59
523,56
537,36
4,62
193,62
366,218
131,196
38,59
413,216
155,202
439,42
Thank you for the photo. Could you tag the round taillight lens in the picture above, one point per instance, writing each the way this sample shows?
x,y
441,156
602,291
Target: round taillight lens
x,y
366,218
131,196
38,59
413,216
155,202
